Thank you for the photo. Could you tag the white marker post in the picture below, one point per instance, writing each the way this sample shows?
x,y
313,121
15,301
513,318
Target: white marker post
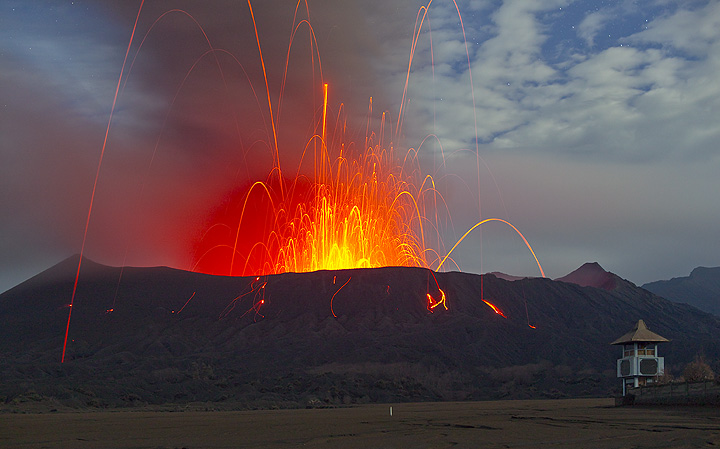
x,y
390,410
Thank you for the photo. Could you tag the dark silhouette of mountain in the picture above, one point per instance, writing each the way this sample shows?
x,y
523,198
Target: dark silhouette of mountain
x,y
160,335
701,289
507,277
592,274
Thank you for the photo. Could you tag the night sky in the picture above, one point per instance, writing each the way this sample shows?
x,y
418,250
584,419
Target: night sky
x,y
597,123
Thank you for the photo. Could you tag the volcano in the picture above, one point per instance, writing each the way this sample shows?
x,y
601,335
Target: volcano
x,y
592,274
152,336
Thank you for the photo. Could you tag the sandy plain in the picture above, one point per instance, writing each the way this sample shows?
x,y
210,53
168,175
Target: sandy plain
x,y
577,423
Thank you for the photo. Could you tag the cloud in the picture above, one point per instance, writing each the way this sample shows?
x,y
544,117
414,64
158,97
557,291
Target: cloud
x,y
693,31
655,100
592,24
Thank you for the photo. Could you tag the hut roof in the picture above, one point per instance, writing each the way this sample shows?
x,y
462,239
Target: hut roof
x,y
639,334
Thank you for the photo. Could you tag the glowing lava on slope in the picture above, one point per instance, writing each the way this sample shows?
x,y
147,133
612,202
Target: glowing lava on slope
x,y
495,308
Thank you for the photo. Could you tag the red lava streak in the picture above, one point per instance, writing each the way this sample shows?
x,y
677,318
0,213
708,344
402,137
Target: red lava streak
x,y
432,303
494,307
333,296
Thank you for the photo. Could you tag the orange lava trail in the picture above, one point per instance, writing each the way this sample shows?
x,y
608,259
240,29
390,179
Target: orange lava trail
x,y
416,36
276,150
257,304
333,296
313,51
491,305
432,303
186,303
494,307
97,176
324,116
231,306
256,307
442,262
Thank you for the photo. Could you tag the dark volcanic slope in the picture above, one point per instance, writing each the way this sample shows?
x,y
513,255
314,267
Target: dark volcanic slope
x,y
238,342
701,289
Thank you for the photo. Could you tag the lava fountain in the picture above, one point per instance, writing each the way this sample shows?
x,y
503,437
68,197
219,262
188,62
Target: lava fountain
x,y
358,209
347,205
360,205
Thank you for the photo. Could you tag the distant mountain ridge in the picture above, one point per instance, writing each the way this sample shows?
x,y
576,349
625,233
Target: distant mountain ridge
x,y
328,337
701,289
507,277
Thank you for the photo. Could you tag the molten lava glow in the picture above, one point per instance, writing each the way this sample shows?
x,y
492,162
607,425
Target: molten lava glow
x,y
432,303
360,210
494,307
364,206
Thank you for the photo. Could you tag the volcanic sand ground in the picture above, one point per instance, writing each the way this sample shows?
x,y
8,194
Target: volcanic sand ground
x,y
579,423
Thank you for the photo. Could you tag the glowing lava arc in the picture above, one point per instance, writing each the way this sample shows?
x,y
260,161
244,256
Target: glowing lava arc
x,y
442,262
432,303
